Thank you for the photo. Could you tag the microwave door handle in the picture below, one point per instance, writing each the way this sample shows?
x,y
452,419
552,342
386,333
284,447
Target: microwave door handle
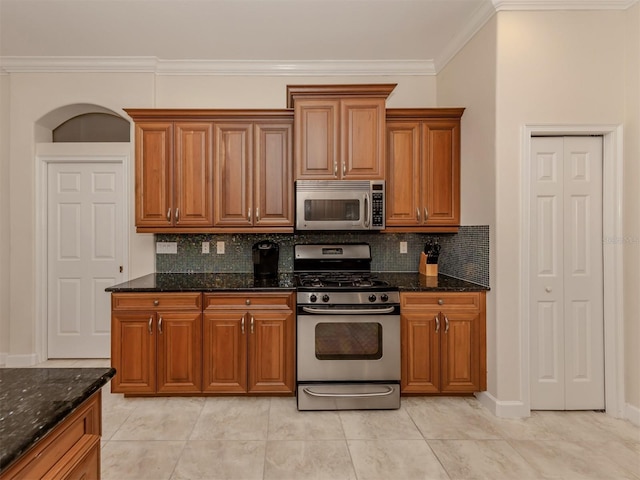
x,y
367,221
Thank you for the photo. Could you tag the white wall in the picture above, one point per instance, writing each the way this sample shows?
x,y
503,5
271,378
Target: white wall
x,y
469,80
34,95
4,214
631,213
552,68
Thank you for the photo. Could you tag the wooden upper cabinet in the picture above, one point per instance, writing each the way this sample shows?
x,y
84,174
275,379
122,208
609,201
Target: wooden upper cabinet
x,y
193,175
254,183
154,174
423,169
339,131
200,171
174,174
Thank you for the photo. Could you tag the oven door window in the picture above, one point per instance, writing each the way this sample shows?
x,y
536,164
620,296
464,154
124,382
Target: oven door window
x,y
348,341
321,210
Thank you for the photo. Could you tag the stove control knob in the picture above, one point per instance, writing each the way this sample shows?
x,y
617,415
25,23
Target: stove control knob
x,y
313,298
372,298
384,297
325,298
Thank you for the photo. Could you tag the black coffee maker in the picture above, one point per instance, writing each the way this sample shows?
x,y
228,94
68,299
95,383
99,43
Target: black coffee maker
x,y
265,259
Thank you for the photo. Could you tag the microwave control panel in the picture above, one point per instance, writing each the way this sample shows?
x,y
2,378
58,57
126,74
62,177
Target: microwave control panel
x,y
377,205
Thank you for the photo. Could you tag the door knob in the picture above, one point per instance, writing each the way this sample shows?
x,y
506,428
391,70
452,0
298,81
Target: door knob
x,y
548,289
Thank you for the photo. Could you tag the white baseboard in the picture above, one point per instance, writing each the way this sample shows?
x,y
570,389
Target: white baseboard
x,y
632,413
27,360
503,409
3,359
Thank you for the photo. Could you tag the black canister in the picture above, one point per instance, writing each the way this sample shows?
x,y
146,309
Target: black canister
x,y
265,259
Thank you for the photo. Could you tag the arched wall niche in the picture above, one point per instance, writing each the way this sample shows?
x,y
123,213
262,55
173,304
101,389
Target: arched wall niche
x,y
82,122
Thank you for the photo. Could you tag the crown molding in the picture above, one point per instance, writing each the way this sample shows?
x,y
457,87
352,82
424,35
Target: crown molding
x,y
217,67
504,5
479,18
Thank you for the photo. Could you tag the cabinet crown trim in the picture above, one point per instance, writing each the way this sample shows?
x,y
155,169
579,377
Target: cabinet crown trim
x,y
422,113
346,90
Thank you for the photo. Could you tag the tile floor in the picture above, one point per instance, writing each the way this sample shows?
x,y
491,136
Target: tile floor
x,y
427,438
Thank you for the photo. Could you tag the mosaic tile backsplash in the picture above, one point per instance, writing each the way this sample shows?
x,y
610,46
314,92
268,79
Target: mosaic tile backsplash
x,y
464,255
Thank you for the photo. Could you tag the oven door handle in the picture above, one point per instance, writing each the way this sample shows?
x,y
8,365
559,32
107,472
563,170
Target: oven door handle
x,y
389,391
349,311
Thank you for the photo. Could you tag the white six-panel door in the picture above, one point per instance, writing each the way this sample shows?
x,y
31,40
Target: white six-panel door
x,y
85,219
566,310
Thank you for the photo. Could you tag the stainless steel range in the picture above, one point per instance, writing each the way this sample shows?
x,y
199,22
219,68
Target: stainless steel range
x,y
348,330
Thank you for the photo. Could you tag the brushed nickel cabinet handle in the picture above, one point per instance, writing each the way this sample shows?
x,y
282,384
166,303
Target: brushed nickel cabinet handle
x,y
251,324
242,325
437,319
177,214
426,214
257,214
156,303
249,214
169,215
344,169
440,301
335,168
446,324
418,213
150,326
160,326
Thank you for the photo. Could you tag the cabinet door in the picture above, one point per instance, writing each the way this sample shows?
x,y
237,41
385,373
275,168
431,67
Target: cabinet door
x,y
133,352
316,139
179,347
441,173
420,336
273,177
460,352
193,175
271,347
403,186
154,174
234,172
362,138
225,352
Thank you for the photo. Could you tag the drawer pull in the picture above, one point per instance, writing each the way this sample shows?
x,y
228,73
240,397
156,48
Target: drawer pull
x,y
247,301
440,301
156,303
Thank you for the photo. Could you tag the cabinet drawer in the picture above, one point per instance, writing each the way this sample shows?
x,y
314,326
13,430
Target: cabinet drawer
x,y
249,300
464,300
156,301
68,436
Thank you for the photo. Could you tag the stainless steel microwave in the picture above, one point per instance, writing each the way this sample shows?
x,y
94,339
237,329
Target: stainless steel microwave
x,y
340,204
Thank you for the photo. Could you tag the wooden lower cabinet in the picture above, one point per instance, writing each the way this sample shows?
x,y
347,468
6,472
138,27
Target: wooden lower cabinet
x,y
70,451
443,342
249,343
156,343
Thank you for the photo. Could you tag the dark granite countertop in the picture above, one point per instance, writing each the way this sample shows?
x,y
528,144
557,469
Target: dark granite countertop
x,y
33,401
203,282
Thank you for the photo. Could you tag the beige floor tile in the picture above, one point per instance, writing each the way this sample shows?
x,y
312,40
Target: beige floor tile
x,y
221,460
140,460
161,419
482,459
308,460
395,459
233,418
451,418
576,460
378,424
287,423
